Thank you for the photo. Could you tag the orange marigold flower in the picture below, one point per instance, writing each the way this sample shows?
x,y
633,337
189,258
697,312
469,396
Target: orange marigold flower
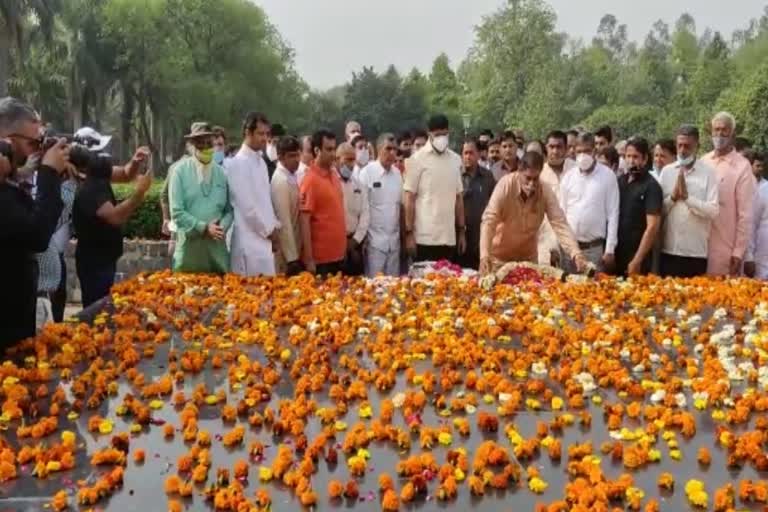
x,y
408,493
386,482
335,489
390,502
703,456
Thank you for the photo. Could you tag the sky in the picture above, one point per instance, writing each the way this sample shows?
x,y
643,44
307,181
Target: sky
x,y
333,38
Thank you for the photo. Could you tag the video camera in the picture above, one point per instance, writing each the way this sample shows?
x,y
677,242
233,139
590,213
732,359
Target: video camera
x,y
83,158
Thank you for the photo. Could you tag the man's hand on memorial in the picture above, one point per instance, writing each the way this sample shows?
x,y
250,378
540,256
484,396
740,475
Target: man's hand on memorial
x,y
485,266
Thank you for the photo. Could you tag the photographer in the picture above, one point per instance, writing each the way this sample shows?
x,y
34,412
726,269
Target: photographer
x,y
97,217
26,223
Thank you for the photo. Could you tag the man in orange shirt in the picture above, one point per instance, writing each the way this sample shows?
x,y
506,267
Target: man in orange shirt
x,y
323,229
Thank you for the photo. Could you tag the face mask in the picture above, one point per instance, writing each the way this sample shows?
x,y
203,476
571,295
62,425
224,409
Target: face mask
x,y
363,157
585,161
685,161
218,157
271,152
721,142
205,156
440,143
345,172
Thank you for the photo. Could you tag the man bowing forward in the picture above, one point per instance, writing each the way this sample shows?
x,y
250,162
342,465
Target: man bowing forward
x,y
256,226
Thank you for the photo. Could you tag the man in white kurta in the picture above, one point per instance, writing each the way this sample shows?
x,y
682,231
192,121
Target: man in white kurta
x,y
256,225
756,259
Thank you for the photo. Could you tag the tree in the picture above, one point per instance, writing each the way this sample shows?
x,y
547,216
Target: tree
x,y
510,45
16,16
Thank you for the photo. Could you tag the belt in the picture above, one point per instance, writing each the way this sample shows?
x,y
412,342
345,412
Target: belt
x,y
594,243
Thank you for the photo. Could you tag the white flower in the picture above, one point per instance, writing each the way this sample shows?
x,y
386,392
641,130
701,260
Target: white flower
x,y
652,320
658,396
539,368
640,368
624,354
491,322
505,397
698,348
680,400
655,358
666,342
459,323
398,400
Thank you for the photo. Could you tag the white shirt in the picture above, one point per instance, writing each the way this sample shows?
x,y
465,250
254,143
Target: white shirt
x,y
656,174
356,211
757,250
687,223
435,179
385,196
255,220
591,204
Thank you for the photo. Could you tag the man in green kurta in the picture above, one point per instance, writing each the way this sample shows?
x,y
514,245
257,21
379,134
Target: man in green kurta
x,y
200,208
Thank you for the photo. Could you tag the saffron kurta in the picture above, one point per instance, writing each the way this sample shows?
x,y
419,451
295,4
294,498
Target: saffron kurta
x,y
732,228
199,195
255,218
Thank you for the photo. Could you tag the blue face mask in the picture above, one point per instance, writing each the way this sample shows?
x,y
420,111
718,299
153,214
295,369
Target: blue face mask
x,y
218,157
685,161
345,172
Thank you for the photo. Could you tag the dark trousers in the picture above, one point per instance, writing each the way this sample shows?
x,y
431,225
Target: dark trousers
x,y
682,266
95,280
59,297
353,263
470,259
329,269
435,252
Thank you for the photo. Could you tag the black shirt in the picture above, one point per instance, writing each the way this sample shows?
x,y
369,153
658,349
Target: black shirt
x,y
98,242
638,198
478,188
26,227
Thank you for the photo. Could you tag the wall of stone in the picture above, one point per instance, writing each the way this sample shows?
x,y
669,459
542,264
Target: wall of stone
x,y
138,256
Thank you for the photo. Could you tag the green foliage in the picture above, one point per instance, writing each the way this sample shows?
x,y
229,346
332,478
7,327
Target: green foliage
x,y
145,69
626,120
147,220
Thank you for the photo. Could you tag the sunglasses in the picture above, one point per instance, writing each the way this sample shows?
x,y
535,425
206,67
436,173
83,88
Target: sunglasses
x,y
36,142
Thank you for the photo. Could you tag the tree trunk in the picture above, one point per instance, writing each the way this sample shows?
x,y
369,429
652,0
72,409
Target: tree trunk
x,y
5,60
126,118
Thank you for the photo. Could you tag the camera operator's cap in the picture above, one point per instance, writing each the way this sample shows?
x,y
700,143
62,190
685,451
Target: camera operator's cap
x,y
199,129
92,139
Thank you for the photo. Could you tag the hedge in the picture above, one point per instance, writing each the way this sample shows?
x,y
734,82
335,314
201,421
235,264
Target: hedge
x,y
147,221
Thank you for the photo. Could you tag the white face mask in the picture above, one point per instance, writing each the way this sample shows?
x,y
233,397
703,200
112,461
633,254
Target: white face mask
x,y
362,157
440,143
272,152
585,161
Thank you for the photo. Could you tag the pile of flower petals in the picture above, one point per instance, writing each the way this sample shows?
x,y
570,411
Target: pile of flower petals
x,y
474,391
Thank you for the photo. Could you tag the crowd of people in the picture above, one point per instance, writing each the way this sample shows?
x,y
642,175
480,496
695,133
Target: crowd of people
x,y
281,204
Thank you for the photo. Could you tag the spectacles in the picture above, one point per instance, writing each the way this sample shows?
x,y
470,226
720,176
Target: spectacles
x,y
390,148
37,142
